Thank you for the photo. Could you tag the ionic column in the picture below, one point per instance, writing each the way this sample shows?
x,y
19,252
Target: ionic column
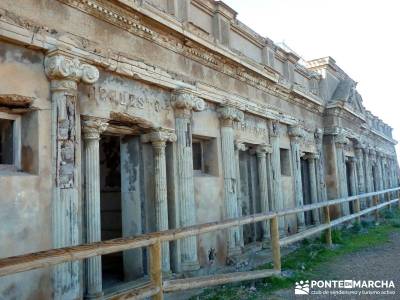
x,y
277,200
359,169
295,134
340,142
228,115
65,72
311,157
92,128
262,151
159,140
239,146
184,102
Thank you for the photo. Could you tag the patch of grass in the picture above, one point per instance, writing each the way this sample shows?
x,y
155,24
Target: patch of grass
x,y
302,262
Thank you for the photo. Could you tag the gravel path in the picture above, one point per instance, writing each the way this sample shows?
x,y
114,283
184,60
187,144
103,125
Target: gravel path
x,y
375,263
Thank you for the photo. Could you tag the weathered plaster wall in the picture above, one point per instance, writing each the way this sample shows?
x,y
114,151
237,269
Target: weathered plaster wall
x,y
26,213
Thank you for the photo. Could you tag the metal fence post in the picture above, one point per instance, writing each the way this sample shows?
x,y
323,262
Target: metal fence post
x,y
155,269
328,231
276,248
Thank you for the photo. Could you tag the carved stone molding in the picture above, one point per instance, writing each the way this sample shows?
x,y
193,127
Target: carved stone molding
x,y
60,67
184,101
229,114
92,128
295,132
311,156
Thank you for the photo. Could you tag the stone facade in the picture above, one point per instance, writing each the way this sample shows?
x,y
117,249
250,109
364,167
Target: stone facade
x,y
136,116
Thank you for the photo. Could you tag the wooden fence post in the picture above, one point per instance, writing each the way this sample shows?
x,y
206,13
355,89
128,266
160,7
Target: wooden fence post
x,y
328,232
155,269
398,197
357,209
375,203
276,248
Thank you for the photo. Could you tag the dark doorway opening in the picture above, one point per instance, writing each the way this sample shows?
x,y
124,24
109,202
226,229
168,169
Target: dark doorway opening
x,y
306,187
348,182
110,207
250,196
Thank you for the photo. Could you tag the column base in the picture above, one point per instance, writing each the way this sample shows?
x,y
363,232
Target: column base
x,y
301,228
234,251
190,266
266,243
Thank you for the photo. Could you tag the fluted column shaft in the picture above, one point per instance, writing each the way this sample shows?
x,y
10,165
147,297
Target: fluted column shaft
x,y
263,183
160,191
159,141
295,135
184,102
239,147
91,134
380,175
353,176
186,191
277,200
228,115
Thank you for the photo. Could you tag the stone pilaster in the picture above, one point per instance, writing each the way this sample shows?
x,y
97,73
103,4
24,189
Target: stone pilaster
x,y
92,128
228,115
295,134
65,72
340,142
239,146
262,151
159,140
374,171
312,158
184,102
277,200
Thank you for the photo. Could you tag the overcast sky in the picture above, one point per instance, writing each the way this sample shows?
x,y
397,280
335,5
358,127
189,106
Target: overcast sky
x,y
363,36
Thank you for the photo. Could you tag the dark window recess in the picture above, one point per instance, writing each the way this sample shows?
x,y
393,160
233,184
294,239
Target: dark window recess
x,y
285,162
197,156
6,142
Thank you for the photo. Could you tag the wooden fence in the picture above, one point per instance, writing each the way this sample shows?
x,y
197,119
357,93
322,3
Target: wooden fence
x,y
156,286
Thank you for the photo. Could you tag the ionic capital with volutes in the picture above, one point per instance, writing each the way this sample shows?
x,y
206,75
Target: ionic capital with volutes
x,y
229,114
311,156
66,71
240,146
184,101
274,128
318,135
262,150
295,133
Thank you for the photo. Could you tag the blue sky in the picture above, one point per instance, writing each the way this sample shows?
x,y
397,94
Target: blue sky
x,y
363,36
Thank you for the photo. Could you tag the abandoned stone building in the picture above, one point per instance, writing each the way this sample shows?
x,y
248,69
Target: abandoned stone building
x,y
124,117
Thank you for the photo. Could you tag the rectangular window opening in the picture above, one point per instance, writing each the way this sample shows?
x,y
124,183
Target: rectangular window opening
x,y
285,162
6,142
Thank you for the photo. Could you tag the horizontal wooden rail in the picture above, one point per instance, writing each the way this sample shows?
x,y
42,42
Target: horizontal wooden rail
x,y
52,257
143,292
314,230
204,281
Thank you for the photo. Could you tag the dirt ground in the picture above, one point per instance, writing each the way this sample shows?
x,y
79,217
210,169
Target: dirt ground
x,y
375,263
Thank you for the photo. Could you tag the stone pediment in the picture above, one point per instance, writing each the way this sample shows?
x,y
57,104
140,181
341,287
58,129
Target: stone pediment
x,y
346,93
